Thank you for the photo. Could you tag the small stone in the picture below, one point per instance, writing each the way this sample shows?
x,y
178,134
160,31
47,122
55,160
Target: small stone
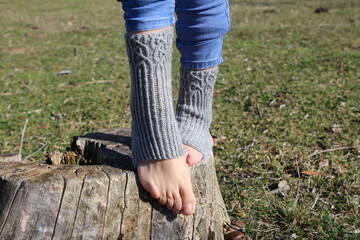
x,y
357,231
65,72
293,236
282,184
336,128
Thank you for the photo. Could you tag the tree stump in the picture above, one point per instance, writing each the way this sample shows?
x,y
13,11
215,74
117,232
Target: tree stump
x,y
103,200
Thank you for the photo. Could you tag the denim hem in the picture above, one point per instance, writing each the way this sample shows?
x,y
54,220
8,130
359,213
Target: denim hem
x,y
201,65
149,25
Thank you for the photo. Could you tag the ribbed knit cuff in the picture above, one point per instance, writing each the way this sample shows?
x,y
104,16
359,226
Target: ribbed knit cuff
x,y
194,107
155,135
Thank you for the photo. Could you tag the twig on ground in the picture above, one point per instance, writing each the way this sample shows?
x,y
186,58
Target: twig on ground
x,y
298,185
315,201
98,81
41,148
347,190
328,150
22,136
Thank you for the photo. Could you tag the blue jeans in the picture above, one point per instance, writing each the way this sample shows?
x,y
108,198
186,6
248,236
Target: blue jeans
x,y
200,26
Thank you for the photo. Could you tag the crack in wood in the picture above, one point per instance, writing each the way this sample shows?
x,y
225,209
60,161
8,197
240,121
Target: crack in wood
x,y
11,206
76,172
123,210
107,200
35,229
193,229
77,205
60,205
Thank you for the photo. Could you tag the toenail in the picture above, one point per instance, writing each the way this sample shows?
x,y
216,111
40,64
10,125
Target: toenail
x,y
188,208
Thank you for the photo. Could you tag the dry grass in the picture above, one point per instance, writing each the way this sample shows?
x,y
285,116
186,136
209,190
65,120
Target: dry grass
x,y
289,87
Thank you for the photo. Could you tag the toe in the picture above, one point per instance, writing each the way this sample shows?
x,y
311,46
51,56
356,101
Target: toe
x,y
169,201
188,200
188,209
192,159
152,189
177,203
193,156
155,193
162,200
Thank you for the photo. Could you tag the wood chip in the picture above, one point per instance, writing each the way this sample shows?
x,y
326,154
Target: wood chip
x,y
243,194
56,158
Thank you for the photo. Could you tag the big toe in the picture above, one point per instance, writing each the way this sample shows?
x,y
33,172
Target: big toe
x,y
192,160
193,156
188,201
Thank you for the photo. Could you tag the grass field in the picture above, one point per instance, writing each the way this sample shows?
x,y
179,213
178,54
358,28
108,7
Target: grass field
x,y
287,102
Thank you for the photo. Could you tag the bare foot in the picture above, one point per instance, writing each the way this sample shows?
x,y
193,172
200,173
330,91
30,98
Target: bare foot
x,y
169,181
192,155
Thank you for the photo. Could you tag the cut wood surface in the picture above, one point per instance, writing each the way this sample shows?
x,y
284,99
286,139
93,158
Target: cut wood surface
x,y
10,157
103,200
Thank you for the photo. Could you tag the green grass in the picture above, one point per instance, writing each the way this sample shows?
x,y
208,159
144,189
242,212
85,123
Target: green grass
x,y
289,87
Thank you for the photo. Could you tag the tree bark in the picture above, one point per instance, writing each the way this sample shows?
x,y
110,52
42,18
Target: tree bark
x,y
103,200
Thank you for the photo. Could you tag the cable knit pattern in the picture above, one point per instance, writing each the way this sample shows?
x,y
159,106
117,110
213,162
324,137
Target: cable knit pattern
x,y
194,108
155,134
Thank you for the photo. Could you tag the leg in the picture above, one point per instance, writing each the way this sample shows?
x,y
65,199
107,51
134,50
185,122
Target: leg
x,y
157,149
200,28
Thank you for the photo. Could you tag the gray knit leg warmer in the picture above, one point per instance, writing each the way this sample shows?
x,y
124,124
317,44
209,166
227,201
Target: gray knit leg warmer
x,y
194,108
155,135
